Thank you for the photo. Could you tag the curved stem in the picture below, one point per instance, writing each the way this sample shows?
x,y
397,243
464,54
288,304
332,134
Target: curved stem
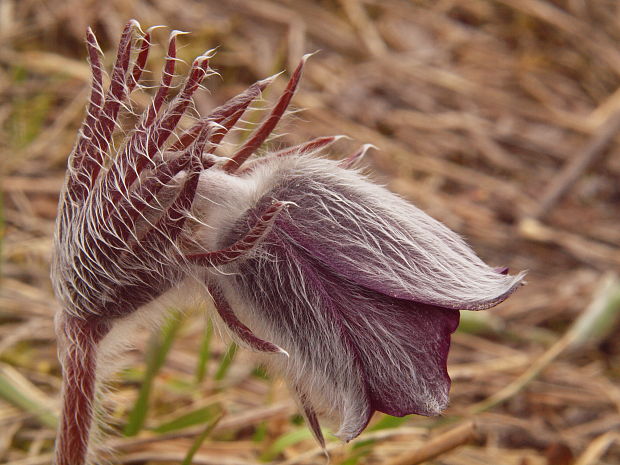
x,y
240,330
244,245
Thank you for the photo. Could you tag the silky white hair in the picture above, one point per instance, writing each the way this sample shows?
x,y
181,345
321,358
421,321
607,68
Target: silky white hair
x,y
383,242
346,289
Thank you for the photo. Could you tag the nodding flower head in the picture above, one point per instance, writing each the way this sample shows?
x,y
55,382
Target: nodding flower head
x,y
346,289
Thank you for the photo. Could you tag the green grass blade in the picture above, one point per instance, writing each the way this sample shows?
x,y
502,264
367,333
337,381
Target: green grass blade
x,y
201,438
158,349
479,323
284,442
260,433
227,360
195,417
601,317
20,392
204,353
389,422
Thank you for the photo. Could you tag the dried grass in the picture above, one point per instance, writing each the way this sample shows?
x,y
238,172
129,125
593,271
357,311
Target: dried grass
x,y
497,117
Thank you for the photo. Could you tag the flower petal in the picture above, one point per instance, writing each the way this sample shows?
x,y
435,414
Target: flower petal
x,y
374,238
352,350
361,288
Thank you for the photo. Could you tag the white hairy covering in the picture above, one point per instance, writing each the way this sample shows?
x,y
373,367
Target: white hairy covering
x,y
371,239
339,239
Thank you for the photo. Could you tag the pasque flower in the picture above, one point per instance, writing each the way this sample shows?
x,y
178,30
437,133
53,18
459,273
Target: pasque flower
x,y
346,289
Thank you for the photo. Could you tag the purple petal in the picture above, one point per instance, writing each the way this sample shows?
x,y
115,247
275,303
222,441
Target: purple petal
x,y
352,350
374,238
361,288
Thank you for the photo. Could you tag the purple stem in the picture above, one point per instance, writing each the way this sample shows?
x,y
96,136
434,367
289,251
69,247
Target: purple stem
x,y
269,124
79,389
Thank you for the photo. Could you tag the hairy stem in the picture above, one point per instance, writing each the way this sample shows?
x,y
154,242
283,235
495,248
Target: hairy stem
x,y
79,339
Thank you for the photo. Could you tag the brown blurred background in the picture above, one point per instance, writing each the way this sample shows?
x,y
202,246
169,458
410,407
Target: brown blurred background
x,y
499,118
